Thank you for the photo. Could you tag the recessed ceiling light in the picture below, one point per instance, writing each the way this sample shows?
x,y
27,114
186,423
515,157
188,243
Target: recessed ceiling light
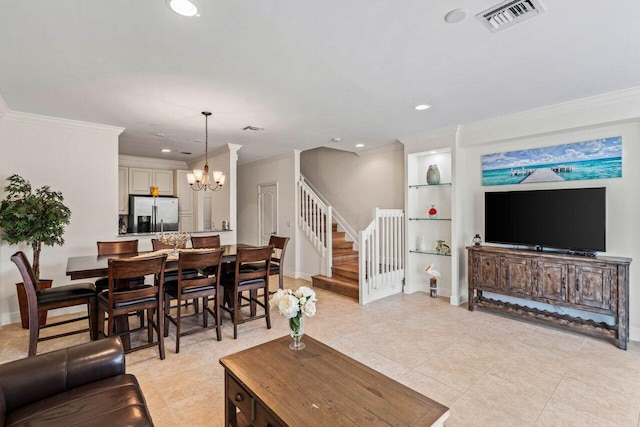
x,y
186,8
455,16
166,150
197,140
159,134
359,145
432,152
336,139
422,107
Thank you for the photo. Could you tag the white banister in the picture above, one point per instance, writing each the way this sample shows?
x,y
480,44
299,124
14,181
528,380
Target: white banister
x,y
315,220
382,255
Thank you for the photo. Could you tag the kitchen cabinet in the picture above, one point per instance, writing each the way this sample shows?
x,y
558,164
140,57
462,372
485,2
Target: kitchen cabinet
x,y
123,193
185,195
183,191
590,284
141,180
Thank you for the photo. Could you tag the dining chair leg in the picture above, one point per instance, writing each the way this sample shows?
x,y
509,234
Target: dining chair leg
x,y
217,317
280,280
253,297
205,314
267,312
160,327
101,315
34,331
150,312
92,309
178,316
167,313
236,315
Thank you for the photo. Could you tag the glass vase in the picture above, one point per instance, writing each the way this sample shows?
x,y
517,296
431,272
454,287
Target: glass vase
x,y
296,330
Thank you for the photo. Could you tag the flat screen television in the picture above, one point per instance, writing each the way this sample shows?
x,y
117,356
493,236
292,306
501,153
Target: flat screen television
x,y
572,219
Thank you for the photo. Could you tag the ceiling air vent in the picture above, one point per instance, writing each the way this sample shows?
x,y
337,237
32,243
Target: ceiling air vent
x,y
509,12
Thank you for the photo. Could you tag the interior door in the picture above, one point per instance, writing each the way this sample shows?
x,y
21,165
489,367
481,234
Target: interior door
x,y
267,212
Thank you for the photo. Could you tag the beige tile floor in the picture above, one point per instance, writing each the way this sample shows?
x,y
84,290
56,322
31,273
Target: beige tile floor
x,y
490,370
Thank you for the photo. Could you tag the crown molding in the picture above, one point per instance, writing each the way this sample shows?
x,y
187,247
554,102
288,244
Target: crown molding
x,y
37,119
599,110
153,163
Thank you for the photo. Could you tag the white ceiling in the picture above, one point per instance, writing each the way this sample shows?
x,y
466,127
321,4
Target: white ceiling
x,y
306,70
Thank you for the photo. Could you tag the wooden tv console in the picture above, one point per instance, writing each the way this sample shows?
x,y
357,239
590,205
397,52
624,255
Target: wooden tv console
x,y
590,284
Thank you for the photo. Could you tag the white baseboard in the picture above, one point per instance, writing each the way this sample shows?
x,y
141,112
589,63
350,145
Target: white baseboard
x,y
634,334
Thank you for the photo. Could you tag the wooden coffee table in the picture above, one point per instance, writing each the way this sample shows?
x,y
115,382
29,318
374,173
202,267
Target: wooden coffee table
x,y
273,385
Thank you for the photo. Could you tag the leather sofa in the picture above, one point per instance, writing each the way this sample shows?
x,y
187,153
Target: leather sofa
x,y
84,385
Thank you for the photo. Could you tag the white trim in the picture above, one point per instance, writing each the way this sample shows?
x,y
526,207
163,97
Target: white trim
x,y
136,162
634,334
63,123
589,112
260,208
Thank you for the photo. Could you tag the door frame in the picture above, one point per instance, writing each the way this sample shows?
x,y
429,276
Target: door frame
x,y
260,225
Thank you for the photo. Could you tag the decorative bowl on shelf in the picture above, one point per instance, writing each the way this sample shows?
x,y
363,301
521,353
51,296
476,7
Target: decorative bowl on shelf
x,y
176,239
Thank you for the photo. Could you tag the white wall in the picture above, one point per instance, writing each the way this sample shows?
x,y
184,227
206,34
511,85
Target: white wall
x,y
78,159
224,201
598,117
283,170
356,184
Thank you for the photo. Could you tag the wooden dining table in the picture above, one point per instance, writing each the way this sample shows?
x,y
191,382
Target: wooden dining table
x,y
92,266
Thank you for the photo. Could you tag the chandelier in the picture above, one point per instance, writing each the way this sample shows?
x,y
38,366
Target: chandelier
x,y
199,179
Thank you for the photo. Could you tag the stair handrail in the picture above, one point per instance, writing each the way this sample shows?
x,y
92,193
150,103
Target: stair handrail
x,y
315,219
381,258
351,234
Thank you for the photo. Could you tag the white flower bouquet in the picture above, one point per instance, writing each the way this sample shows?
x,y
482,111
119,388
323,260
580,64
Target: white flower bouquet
x,y
293,305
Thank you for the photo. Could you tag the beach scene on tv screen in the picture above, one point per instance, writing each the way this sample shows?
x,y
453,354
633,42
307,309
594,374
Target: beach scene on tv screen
x,y
595,159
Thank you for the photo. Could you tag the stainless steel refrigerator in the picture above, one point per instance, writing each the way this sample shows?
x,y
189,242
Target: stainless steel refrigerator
x,y
149,214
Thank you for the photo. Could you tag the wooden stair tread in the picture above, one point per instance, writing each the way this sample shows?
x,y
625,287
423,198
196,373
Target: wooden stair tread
x,y
348,266
336,285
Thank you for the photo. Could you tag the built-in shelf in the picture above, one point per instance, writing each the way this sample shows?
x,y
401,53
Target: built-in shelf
x,y
429,219
442,184
428,252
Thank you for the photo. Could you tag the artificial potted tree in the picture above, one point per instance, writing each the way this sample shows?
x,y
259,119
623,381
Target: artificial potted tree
x,y
36,217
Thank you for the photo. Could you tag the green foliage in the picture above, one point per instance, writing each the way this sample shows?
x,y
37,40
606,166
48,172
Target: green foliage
x,y
35,217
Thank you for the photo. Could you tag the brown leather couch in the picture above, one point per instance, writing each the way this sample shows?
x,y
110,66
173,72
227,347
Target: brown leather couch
x,y
84,385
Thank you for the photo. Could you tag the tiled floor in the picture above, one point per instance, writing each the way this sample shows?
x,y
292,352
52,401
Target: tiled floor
x,y
490,370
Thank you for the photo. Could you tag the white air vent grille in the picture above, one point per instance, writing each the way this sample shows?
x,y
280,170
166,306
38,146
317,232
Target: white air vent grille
x,y
508,13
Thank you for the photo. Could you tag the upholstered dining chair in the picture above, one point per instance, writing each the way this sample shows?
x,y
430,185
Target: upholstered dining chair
x,y
116,248
55,297
277,258
118,301
248,278
205,242
206,287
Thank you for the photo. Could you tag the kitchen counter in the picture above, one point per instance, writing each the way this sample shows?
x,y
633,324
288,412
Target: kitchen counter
x,y
197,233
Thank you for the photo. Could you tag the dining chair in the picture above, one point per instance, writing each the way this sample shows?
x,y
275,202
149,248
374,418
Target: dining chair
x,y
246,278
116,248
118,301
206,287
277,258
56,297
205,242
173,275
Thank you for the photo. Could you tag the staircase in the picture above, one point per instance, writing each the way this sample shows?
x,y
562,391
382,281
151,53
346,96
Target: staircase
x,y
345,271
